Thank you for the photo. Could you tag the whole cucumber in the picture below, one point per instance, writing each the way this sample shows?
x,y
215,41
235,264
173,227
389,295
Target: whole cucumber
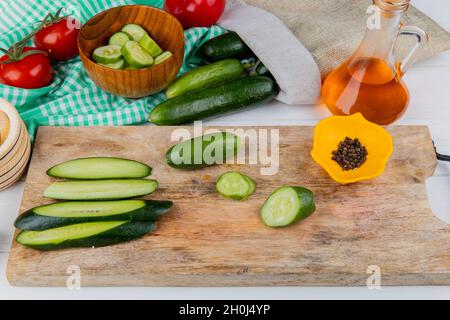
x,y
205,77
227,97
228,45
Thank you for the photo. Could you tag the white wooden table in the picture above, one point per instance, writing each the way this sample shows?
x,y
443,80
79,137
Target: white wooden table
x,y
429,83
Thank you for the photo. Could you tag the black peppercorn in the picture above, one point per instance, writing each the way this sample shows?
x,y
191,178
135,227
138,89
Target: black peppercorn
x,y
350,155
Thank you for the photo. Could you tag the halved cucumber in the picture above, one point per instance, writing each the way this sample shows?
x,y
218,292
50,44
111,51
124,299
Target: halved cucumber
x,y
116,65
92,234
203,151
100,168
150,45
135,55
163,57
107,54
287,205
136,32
72,212
100,189
235,185
119,39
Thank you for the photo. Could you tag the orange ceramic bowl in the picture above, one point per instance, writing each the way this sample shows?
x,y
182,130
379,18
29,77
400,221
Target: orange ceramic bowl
x,y
160,25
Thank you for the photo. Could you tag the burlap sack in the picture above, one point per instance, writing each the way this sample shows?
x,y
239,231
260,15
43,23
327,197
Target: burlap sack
x,y
332,29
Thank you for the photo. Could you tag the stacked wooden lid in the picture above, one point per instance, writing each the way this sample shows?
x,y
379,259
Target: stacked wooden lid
x,y
15,147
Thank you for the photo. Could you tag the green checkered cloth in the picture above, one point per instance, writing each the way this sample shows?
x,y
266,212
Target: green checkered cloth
x,y
73,99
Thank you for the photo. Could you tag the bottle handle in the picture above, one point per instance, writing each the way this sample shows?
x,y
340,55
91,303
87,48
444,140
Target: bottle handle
x,y
422,39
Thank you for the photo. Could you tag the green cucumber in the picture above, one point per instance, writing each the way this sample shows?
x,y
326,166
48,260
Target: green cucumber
x,y
163,57
134,31
119,39
100,189
287,205
203,151
205,77
116,65
135,55
150,46
72,212
100,168
235,185
107,54
226,46
227,97
85,235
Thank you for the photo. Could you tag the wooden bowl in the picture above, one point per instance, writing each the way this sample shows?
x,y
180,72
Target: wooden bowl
x,y
15,148
160,25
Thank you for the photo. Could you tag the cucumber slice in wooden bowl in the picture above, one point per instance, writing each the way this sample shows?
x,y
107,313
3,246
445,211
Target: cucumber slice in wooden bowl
x,y
135,55
92,234
107,54
74,212
100,189
287,205
100,168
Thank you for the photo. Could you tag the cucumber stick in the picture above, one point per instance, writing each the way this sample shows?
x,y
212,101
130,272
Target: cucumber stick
x,y
224,98
235,185
226,46
287,205
203,151
100,168
206,77
163,57
73,212
100,189
91,234
150,45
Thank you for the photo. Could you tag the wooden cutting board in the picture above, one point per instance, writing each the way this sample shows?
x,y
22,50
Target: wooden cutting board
x,y
207,240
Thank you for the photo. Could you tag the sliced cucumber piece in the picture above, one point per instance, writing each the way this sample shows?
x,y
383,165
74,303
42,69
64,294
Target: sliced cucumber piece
x,y
136,32
150,45
107,54
100,168
92,234
287,205
163,57
100,189
235,185
204,151
135,55
119,39
117,65
72,212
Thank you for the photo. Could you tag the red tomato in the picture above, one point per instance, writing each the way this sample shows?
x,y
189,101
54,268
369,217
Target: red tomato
x,y
59,40
195,13
33,71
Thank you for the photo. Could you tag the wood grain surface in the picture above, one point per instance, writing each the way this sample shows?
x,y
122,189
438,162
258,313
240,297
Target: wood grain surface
x,y
207,240
160,25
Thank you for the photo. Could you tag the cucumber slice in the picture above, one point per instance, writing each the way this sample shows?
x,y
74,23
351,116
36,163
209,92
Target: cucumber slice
x,y
235,185
100,189
135,55
287,205
92,234
135,31
107,54
203,151
150,45
117,65
72,212
119,39
100,168
163,57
